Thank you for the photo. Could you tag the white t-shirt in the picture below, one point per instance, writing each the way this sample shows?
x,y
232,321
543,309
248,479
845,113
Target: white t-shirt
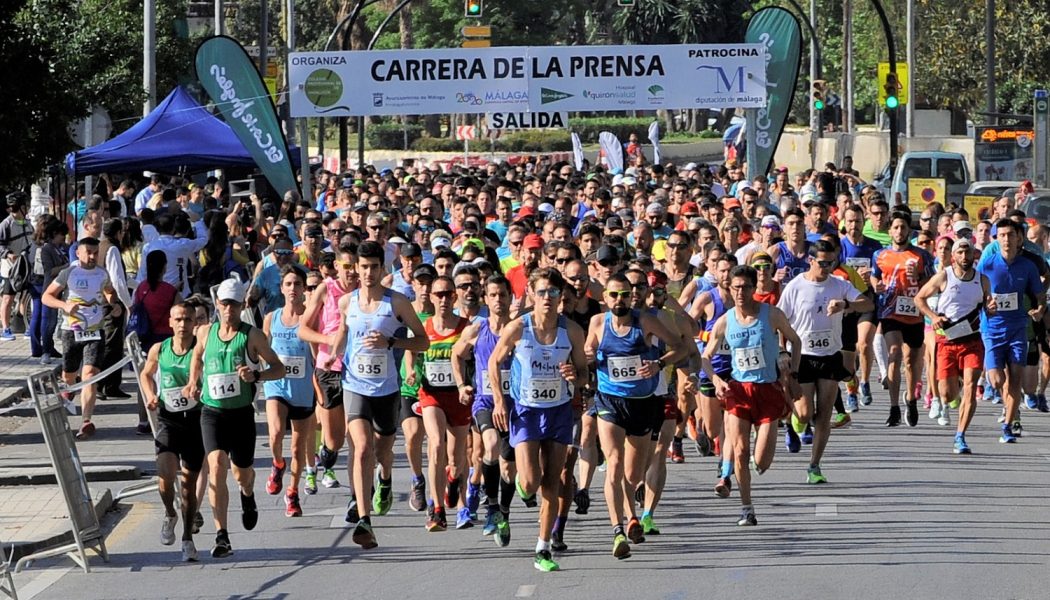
x,y
805,303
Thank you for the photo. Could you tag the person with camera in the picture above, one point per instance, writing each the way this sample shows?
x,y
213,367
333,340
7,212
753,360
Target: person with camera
x,y
16,236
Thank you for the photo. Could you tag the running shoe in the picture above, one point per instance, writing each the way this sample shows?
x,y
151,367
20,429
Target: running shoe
x,y
502,535
954,404
747,519
960,445
582,500
1002,416
544,562
927,403
558,542
275,481
451,489
797,425
791,440
491,520
329,479
352,516
1031,402
7,336
865,394
439,521
895,417
814,476
473,499
677,456
635,532
189,551
198,522
1008,436
311,483
463,519
851,403
945,419
1016,428
87,429
703,445
997,398
935,410
1042,405
648,527
417,500
249,512
364,536
167,530
292,508
382,498
530,501
621,549
723,487
807,436
222,547
913,413
840,420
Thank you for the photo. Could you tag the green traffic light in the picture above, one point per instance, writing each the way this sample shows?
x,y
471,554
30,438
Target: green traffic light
x,y
818,104
892,102
474,8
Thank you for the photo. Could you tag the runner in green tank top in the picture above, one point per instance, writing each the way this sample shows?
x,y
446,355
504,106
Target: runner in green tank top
x,y
225,362
178,435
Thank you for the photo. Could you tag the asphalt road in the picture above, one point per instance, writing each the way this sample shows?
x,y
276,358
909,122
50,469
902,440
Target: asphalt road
x,y
901,516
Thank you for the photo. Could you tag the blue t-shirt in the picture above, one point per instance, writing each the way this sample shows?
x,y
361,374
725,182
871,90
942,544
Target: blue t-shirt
x,y
1010,283
858,255
499,228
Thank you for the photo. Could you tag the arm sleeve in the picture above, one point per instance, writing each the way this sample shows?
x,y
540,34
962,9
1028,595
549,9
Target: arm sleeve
x,y
115,268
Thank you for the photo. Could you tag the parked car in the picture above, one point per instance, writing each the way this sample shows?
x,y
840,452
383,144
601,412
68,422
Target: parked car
x,y
948,165
1037,206
992,188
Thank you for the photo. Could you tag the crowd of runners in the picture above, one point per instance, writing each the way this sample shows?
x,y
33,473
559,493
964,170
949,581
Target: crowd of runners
x,y
533,323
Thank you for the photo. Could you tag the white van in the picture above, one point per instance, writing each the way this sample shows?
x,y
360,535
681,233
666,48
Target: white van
x,y
948,165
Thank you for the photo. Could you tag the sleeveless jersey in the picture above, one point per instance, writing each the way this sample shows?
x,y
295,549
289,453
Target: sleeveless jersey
x,y
656,350
795,265
223,387
720,361
173,373
535,372
297,385
412,391
370,372
398,284
961,303
483,348
620,361
437,360
329,321
754,348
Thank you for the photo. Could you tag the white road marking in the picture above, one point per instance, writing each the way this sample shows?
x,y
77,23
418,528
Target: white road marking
x,y
826,510
525,591
41,582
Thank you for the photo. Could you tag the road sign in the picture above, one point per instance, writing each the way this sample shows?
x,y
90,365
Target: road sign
x,y
924,190
979,206
902,82
466,132
476,31
476,43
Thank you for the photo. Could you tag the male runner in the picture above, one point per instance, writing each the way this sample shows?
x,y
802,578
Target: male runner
x,y
814,304
857,252
411,413
164,374
960,350
628,367
371,390
291,398
753,396
548,356
225,359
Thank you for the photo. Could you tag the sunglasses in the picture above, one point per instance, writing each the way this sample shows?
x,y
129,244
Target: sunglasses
x,y
375,227
338,232
639,286
346,265
608,263
762,266
468,286
551,293
282,252
315,234
562,261
578,278
825,264
443,294
619,295
278,235
731,230
659,291
678,246
515,244
311,288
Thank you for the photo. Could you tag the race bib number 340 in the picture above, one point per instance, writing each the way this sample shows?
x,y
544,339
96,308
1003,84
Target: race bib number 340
x,y
543,390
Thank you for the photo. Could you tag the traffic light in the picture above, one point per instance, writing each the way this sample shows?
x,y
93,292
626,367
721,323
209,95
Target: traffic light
x,y
625,2
892,88
472,8
820,92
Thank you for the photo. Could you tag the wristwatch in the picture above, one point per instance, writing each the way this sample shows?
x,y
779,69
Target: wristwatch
x,y
660,362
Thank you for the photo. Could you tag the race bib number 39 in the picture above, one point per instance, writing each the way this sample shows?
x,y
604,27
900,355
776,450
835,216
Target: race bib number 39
x,y
371,366
625,368
749,359
223,385
439,373
294,366
174,400
1006,301
905,307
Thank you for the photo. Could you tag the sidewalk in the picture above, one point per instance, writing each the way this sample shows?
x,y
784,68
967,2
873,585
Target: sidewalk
x,y
35,514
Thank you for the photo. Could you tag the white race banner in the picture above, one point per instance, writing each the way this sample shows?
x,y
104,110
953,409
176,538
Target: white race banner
x,y
527,79
528,120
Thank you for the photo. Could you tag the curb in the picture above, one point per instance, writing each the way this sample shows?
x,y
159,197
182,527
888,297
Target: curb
x,y
103,501
46,475
15,395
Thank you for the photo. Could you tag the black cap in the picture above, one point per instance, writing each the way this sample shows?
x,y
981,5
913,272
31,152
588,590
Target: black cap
x,y
88,241
423,271
614,223
608,253
411,250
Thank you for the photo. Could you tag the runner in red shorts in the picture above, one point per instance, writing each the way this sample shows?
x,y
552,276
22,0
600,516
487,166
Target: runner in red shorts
x,y
753,396
956,322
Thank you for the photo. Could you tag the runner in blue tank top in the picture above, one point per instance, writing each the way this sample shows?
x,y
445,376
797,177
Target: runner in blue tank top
x,y
472,352
707,311
791,256
548,357
753,396
290,399
618,341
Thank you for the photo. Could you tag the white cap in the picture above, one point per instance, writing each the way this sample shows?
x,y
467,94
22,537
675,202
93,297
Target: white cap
x,y
546,207
690,166
439,242
617,179
961,225
231,289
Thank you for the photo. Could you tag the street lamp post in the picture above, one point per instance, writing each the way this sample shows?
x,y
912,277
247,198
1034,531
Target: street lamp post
x,y
890,112
371,45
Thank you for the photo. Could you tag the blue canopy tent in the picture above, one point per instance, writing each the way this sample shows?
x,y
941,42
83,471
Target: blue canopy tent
x,y
178,135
